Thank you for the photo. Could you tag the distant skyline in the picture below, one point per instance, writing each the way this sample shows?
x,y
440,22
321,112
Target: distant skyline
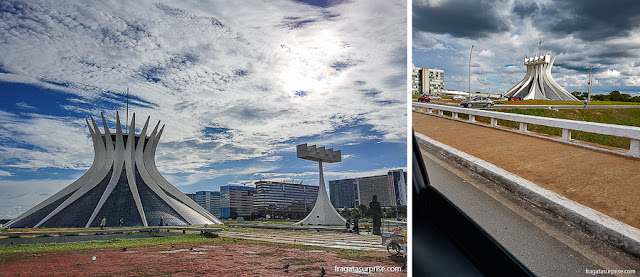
x,y
580,32
238,85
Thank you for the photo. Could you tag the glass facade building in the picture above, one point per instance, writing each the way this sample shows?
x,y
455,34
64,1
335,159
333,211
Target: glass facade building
x,y
284,200
236,201
344,193
209,200
391,190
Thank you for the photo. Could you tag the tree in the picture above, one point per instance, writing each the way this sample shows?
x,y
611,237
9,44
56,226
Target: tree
x,y
363,209
578,94
346,213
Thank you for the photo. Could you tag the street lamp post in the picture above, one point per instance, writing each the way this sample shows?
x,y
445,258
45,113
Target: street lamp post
x,y
590,82
589,93
470,52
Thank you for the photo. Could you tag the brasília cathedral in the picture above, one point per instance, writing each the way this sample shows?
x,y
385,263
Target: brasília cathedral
x,y
122,183
538,84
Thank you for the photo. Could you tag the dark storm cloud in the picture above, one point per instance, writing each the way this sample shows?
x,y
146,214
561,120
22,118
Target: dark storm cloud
x,y
465,19
590,20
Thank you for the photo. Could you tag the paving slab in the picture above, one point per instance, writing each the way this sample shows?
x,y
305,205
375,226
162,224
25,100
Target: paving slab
x,y
325,239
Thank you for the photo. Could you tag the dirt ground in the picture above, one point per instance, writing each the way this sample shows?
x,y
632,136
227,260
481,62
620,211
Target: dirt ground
x,y
202,260
606,182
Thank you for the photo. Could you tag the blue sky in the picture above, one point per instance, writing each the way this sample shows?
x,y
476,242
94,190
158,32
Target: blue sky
x,y
238,85
580,32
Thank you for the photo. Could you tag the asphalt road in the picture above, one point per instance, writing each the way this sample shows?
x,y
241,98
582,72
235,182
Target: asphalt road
x,y
529,235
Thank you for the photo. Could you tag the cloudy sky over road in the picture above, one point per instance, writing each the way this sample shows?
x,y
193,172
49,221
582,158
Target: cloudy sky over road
x,y
237,83
579,32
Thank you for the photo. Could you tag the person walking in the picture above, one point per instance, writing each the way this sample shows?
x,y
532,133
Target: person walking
x,y
103,223
161,221
121,221
356,229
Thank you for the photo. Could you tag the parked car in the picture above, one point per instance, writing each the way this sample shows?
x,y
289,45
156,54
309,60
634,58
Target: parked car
x,y
478,101
458,98
428,98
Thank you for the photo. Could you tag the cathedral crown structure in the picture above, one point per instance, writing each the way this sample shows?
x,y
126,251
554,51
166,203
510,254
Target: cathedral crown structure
x,y
538,84
123,183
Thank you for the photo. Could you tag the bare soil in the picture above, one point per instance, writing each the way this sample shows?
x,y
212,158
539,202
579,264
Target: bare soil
x,y
606,182
203,260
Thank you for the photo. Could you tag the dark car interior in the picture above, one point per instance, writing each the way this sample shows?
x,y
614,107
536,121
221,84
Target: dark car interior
x,y
446,242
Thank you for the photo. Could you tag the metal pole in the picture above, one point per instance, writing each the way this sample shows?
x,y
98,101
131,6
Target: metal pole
x,y
469,89
589,93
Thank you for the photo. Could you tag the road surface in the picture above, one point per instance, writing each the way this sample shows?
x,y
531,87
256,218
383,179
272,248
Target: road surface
x,y
546,245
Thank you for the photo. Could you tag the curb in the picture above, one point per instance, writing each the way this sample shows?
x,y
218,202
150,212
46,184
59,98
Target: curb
x,y
600,225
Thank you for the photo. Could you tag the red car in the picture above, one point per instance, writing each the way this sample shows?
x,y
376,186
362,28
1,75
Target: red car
x,y
424,98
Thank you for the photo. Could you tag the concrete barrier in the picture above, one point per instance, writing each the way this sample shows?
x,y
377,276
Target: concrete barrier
x,y
600,225
631,132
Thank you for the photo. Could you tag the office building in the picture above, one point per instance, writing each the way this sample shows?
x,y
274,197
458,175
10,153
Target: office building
x,y
237,201
209,200
398,179
427,80
283,200
344,193
391,190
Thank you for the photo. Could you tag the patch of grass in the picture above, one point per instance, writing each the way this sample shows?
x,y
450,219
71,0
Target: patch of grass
x,y
13,252
309,268
577,103
622,116
275,222
112,243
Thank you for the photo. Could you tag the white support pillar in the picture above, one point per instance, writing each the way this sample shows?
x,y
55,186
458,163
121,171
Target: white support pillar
x,y
454,114
472,118
494,122
634,148
429,110
440,112
523,127
566,134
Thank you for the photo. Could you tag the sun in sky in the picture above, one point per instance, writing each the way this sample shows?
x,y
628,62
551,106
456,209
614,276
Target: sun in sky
x,y
310,65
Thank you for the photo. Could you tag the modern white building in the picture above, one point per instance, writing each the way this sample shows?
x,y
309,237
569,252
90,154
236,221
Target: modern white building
x,y
123,183
538,84
427,80
323,213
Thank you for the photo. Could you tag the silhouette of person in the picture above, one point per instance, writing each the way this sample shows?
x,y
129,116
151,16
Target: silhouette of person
x,y
376,214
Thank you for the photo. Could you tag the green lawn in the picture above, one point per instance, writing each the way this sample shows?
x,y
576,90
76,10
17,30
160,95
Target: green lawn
x,y
622,116
275,222
578,103
190,240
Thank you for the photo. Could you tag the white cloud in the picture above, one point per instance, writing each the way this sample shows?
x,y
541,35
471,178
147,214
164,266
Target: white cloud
x,y
265,75
19,196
